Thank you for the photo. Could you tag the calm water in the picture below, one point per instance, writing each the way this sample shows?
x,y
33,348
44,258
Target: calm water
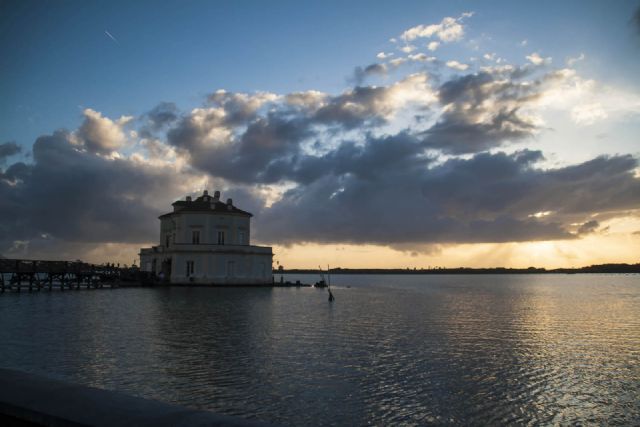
x,y
391,349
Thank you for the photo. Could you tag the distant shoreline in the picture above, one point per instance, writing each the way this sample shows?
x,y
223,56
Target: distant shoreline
x,y
601,268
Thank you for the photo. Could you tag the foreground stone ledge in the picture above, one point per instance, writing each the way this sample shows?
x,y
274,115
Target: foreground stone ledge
x,y
32,399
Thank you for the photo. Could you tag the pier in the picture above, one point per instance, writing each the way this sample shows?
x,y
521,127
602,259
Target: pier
x,y
20,275
17,275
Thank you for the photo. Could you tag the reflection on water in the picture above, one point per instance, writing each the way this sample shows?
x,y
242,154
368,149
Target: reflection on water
x,y
391,349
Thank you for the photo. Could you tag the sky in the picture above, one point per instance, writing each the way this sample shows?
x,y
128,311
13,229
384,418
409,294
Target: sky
x,y
399,134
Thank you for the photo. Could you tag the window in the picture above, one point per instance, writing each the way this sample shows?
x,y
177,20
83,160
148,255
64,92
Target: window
x,y
190,268
241,238
221,237
195,237
167,240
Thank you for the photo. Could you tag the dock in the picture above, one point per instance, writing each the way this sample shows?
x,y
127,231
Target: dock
x,y
21,275
17,275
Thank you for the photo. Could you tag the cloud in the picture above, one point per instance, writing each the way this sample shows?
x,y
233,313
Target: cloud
x,y
271,147
635,20
573,60
240,107
588,227
8,149
457,65
405,198
421,57
586,100
162,115
310,100
360,74
414,160
448,30
588,114
75,195
536,59
100,134
482,111
433,45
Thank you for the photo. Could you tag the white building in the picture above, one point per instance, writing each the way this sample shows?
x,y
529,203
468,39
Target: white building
x,y
207,241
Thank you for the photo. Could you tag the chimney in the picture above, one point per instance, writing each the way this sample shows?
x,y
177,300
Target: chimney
x,y
205,193
216,196
229,204
188,198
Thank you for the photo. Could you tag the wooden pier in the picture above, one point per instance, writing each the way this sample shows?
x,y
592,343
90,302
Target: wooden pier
x,y
33,275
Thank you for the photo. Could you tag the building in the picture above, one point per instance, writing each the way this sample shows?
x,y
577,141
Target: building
x,y
206,241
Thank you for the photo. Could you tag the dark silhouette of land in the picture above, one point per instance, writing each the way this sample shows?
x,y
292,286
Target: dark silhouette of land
x,y
601,268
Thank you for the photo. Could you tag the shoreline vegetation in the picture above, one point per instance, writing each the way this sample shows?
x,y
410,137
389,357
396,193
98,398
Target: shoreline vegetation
x,y
600,268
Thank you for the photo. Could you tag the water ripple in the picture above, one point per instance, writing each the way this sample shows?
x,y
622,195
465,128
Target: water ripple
x,y
409,350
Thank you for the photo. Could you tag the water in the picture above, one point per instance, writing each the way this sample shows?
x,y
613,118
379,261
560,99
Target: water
x,y
517,349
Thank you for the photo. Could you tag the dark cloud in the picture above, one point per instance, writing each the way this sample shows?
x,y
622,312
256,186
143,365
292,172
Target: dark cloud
x,y
354,174
360,73
487,198
162,114
482,111
76,196
235,140
15,173
360,106
265,142
8,149
588,227
364,161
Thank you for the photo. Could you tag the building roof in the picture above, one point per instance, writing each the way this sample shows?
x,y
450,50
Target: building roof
x,y
206,203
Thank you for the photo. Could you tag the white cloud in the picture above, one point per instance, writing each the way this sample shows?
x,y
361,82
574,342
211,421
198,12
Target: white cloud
x,y
421,57
397,62
100,134
457,65
571,61
448,30
536,59
433,45
310,100
412,90
383,55
586,100
244,103
408,48
588,114
524,42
